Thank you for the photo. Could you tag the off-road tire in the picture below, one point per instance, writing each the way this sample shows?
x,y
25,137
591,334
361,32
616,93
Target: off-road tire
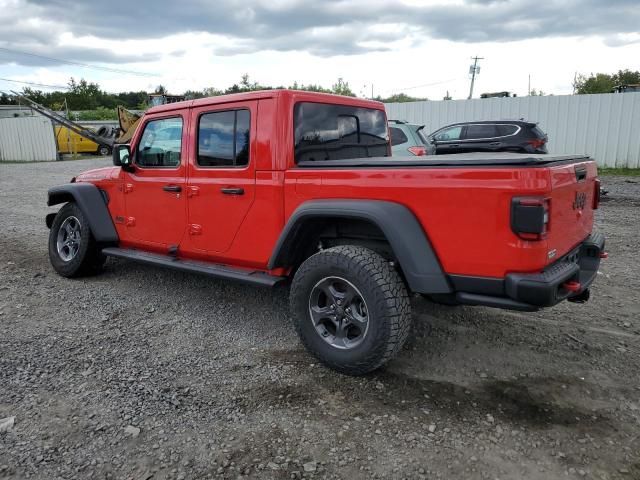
x,y
384,292
88,260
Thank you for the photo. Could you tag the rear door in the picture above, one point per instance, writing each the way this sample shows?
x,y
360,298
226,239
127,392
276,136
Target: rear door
x,y
481,137
221,184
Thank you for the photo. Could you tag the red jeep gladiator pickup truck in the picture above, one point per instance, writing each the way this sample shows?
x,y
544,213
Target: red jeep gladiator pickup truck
x,y
279,185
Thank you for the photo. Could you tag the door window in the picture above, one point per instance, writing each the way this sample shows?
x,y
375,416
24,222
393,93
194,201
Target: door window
x,y
506,130
223,139
397,136
449,134
161,143
480,131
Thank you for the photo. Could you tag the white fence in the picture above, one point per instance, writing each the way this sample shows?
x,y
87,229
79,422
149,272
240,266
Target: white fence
x,y
605,126
27,139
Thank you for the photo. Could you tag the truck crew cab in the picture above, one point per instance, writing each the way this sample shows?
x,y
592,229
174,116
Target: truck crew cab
x,y
274,186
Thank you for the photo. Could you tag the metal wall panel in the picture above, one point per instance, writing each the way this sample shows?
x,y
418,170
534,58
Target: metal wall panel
x,y
605,126
27,139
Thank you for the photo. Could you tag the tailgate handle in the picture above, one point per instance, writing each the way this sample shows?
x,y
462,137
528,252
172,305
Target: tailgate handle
x,y
581,174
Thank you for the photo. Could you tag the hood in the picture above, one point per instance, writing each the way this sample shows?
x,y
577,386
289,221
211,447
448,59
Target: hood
x,y
98,174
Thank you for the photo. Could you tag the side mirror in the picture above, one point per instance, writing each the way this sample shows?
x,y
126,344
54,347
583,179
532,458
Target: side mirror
x,y
122,156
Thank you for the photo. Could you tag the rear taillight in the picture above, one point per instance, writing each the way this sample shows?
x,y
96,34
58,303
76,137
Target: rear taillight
x,y
596,194
418,151
537,142
530,217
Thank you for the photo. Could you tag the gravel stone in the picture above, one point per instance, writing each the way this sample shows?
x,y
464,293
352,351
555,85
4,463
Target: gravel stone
x,y
213,375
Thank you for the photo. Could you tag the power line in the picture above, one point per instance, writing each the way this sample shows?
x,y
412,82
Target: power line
x,y
79,64
34,83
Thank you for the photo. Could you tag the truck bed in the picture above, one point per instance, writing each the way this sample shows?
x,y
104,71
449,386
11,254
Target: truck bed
x,y
477,159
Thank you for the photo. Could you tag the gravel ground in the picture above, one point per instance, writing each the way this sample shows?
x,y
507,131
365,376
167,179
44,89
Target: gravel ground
x,y
141,373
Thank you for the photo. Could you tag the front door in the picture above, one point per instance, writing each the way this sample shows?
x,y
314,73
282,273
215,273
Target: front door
x,y
448,140
154,192
221,184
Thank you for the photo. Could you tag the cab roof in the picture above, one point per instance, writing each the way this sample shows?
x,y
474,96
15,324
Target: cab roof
x,y
292,95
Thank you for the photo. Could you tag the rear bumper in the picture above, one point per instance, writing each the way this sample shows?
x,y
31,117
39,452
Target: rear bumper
x,y
532,291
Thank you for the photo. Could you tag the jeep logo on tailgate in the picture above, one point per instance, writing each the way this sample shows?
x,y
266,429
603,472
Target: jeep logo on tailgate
x,y
580,201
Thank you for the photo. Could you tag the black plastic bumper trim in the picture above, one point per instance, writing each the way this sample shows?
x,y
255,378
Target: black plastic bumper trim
x,y
532,291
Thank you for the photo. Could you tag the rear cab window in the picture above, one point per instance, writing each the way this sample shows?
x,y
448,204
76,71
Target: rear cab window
x,y
336,132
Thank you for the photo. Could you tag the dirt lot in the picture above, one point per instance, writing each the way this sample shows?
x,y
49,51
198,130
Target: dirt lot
x,y
143,373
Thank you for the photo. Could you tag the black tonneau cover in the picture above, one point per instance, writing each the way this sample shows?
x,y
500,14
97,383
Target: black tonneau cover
x,y
495,159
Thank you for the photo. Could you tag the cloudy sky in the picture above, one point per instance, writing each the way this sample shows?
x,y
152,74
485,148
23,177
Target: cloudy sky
x,y
421,47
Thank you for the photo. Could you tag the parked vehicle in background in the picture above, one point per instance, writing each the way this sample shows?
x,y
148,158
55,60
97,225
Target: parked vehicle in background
x,y
409,139
490,136
630,88
71,142
498,95
286,186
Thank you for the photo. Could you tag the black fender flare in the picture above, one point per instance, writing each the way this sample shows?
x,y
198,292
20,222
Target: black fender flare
x,y
93,205
400,226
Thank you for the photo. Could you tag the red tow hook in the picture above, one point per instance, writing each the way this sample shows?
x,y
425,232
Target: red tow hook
x,y
572,286
604,254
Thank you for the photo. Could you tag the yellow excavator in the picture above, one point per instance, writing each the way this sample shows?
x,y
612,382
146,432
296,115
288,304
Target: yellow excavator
x,y
128,120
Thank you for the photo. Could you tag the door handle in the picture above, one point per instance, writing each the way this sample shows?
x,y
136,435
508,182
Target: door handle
x,y
232,190
172,188
495,144
455,145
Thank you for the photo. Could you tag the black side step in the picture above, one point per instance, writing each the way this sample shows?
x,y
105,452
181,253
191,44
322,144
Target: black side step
x,y
194,266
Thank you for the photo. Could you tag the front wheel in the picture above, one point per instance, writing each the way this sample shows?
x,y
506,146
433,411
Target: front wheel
x,y
104,150
73,251
350,309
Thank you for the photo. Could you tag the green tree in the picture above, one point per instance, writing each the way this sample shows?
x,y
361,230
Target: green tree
x,y
598,83
401,98
604,82
342,88
309,88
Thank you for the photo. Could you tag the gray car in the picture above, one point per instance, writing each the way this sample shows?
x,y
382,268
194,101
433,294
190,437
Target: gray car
x,y
409,139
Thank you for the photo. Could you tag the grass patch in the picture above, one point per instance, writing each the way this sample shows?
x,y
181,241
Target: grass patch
x,y
626,172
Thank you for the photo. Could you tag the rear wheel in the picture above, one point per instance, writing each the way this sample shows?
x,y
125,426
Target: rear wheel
x,y
350,309
73,251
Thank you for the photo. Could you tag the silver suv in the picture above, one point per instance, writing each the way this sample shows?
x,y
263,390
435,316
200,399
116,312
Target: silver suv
x,y
408,139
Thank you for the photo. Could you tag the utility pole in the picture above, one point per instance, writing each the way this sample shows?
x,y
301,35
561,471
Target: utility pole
x,y
474,70
529,87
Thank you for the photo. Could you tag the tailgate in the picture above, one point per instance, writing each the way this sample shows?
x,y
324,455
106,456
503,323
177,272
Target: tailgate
x,y
573,191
